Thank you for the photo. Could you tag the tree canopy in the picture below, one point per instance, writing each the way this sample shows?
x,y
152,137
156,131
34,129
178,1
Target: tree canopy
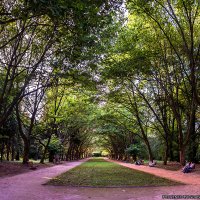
x,y
120,76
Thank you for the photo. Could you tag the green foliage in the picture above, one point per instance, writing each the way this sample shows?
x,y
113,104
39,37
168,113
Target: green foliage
x,y
96,154
133,150
101,79
55,145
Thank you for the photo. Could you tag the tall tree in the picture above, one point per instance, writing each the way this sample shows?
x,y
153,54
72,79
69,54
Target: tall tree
x,y
178,23
47,33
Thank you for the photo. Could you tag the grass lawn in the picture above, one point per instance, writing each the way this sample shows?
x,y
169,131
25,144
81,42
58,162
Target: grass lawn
x,y
99,173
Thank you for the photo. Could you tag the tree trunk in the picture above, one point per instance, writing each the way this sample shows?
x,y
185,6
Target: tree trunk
x,y
26,151
17,156
182,156
13,151
8,151
171,147
2,150
166,154
193,144
25,138
45,151
51,156
150,152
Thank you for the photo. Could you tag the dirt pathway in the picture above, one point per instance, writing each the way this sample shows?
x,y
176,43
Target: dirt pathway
x,y
29,186
187,178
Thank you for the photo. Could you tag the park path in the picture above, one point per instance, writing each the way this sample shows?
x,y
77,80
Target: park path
x,y
29,186
179,176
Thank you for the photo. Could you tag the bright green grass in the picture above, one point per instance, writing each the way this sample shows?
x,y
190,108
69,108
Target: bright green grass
x,y
98,173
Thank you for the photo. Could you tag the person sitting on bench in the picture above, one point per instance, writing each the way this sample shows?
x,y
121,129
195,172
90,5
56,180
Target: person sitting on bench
x,y
152,163
192,165
188,167
139,162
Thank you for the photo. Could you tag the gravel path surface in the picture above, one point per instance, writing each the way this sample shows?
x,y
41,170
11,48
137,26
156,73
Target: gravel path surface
x,y
29,186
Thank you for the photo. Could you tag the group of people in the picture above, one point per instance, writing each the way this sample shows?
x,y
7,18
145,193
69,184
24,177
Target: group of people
x,y
188,167
141,162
